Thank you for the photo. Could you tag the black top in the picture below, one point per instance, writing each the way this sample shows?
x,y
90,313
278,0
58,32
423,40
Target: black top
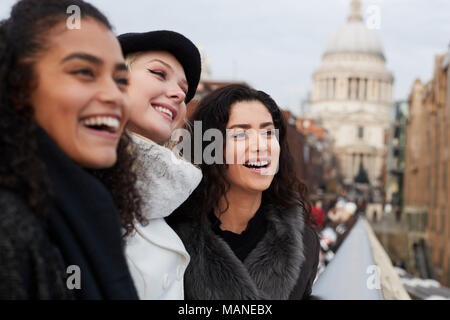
x,y
82,228
242,244
85,226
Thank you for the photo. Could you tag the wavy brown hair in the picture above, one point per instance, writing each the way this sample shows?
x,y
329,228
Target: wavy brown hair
x,y
214,112
22,40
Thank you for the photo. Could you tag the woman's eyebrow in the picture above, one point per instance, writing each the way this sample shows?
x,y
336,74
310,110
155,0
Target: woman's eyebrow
x,y
83,56
266,124
93,59
248,126
243,126
121,67
160,61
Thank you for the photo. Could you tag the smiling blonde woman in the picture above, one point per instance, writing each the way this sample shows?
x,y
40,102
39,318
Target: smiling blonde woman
x,y
164,73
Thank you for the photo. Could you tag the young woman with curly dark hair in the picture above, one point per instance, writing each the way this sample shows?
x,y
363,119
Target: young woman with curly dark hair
x,y
247,226
67,192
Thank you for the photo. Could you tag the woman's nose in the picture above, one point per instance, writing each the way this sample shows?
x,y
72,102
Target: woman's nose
x,y
176,93
111,94
258,142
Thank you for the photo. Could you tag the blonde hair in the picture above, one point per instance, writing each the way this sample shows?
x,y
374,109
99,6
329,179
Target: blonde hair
x,y
170,144
131,57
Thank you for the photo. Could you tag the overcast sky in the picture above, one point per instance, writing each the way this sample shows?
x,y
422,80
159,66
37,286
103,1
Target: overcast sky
x,y
276,45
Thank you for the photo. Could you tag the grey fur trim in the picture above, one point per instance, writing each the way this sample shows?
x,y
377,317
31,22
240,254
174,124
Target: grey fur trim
x,y
270,271
282,250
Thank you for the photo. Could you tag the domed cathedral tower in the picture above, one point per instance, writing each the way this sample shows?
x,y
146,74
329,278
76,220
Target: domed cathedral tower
x,y
352,97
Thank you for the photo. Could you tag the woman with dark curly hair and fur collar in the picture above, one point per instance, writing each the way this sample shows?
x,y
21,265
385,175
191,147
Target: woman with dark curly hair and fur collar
x,y
66,188
247,226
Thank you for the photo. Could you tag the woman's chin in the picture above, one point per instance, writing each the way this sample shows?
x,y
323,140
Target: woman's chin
x,y
98,161
158,135
259,187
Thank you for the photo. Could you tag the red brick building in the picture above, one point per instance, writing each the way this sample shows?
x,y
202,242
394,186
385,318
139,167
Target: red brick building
x,y
427,174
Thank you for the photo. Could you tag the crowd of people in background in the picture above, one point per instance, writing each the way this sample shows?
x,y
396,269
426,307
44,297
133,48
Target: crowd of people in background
x,y
333,222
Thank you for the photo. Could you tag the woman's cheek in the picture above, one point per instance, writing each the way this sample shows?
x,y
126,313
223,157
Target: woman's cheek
x,y
126,107
180,117
230,153
235,152
275,155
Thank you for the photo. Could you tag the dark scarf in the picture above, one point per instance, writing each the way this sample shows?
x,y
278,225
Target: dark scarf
x,y
270,271
85,227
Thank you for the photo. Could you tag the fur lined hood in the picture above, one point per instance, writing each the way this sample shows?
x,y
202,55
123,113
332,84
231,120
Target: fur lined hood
x,y
280,267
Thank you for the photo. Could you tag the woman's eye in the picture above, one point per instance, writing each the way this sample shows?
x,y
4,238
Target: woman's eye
x,y
268,132
158,73
123,81
84,72
239,135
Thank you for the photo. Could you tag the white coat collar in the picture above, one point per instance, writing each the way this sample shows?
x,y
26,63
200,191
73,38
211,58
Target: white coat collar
x,y
164,180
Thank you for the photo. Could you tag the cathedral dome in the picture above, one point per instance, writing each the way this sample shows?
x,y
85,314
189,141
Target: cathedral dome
x,y
355,37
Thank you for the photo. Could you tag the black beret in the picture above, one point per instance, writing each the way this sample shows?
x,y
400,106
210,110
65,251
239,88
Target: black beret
x,y
178,45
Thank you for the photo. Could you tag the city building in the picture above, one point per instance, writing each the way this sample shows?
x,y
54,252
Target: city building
x,y
319,150
352,98
395,164
426,177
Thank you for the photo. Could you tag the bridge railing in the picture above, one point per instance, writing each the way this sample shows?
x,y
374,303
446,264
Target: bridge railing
x,y
360,270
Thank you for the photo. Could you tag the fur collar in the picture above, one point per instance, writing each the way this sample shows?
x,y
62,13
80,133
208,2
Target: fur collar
x,y
270,271
164,180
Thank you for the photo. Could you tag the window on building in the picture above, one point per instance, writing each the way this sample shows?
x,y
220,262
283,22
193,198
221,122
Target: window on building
x,y
306,153
349,88
360,132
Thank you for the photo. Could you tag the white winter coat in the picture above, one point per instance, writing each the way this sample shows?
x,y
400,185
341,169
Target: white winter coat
x,y
156,256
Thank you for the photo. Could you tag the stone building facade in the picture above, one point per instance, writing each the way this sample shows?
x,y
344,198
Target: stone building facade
x,y
352,97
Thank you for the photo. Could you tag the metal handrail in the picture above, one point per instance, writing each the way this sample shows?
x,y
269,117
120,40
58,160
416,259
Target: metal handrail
x,y
360,270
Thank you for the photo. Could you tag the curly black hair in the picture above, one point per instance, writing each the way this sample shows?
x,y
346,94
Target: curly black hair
x,y
22,39
214,111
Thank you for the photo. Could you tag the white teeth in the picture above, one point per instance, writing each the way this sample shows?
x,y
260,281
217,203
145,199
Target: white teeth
x,y
111,122
165,110
258,163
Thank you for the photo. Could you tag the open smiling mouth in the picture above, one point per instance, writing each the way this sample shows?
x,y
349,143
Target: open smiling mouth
x,y
102,123
257,164
165,110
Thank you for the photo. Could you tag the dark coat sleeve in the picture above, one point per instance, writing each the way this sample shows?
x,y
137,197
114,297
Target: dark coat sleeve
x,y
29,264
308,272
